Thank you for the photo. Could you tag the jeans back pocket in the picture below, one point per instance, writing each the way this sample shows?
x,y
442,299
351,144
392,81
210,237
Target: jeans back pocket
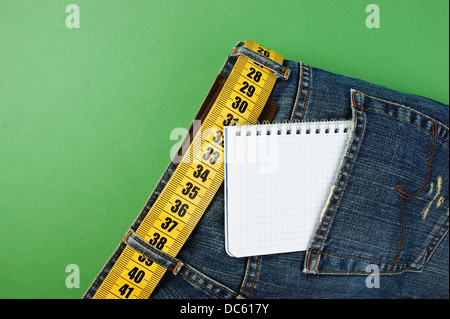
x,y
389,206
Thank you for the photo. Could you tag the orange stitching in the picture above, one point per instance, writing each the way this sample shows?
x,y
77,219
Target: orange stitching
x,y
397,119
398,188
127,235
246,277
254,280
385,261
402,233
362,272
406,108
176,266
403,195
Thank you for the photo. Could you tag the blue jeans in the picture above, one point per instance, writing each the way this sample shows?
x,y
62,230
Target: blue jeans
x,y
384,230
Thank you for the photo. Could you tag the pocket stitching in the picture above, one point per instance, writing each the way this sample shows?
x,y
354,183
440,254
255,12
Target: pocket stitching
x,y
408,109
397,119
404,196
388,262
345,182
398,190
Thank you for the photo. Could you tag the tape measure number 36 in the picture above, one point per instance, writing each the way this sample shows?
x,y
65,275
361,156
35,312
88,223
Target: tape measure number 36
x,y
195,181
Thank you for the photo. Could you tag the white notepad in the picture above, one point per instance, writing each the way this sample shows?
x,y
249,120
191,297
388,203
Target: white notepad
x,y
278,178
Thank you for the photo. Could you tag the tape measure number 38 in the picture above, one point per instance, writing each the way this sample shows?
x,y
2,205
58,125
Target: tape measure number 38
x,y
195,181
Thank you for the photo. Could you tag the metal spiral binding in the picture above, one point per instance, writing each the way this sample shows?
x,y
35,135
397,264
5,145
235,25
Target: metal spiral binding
x,y
294,127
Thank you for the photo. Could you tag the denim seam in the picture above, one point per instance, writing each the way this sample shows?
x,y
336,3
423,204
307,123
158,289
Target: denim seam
x,y
402,233
397,119
307,94
247,274
251,271
304,68
254,279
390,272
390,262
408,109
339,181
299,90
225,64
398,188
426,249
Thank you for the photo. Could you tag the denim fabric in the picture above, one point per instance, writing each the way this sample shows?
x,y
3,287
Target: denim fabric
x,y
388,209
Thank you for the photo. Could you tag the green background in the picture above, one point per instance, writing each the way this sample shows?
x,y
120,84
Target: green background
x,y
86,114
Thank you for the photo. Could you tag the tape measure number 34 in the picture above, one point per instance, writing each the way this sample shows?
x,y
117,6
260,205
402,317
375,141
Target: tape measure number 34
x,y
195,181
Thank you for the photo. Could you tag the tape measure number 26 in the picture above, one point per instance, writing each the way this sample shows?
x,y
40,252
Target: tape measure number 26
x,y
195,181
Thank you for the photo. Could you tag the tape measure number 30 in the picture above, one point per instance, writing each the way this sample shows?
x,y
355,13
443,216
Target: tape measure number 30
x,y
195,181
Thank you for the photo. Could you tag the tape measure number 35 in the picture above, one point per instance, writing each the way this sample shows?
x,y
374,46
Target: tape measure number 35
x,y
195,181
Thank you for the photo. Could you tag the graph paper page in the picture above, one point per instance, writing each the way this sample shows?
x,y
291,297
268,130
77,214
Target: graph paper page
x,y
277,180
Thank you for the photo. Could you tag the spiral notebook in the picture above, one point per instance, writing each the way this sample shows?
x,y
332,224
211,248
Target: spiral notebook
x,y
278,178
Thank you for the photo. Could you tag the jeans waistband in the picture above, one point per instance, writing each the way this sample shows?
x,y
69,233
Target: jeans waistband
x,y
311,94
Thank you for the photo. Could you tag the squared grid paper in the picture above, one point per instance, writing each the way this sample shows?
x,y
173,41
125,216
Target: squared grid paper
x,y
277,184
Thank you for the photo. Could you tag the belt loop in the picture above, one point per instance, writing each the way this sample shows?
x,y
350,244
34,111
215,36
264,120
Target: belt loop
x,y
138,244
278,70
177,267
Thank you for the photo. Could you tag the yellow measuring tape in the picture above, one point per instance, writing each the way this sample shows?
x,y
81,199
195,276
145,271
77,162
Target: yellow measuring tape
x,y
195,181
